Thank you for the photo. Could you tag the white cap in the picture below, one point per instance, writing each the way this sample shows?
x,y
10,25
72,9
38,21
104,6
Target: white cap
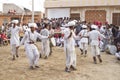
x,y
94,26
15,21
84,26
75,21
32,25
71,23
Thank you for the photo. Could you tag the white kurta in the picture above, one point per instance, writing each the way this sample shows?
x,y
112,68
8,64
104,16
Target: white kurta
x,y
45,42
15,38
83,43
69,47
31,49
94,36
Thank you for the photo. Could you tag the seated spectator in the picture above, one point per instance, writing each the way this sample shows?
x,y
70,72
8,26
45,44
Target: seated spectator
x,y
115,31
0,39
4,38
118,37
118,51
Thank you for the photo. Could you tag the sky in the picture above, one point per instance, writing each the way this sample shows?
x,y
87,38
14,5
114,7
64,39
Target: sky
x,y
38,4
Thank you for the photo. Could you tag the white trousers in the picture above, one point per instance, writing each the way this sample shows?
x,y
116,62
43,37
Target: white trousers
x,y
14,51
45,47
70,58
33,55
95,50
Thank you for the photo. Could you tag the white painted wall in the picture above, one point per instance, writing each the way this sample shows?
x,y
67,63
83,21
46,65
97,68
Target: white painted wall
x,y
58,12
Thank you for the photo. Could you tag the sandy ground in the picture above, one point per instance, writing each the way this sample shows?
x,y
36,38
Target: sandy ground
x,y
53,67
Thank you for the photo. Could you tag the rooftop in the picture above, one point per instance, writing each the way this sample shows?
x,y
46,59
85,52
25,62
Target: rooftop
x,y
80,3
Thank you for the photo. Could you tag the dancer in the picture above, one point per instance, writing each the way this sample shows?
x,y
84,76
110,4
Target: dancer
x,y
83,44
94,36
69,47
29,40
15,38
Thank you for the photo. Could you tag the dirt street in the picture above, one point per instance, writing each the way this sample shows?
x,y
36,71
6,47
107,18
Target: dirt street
x,y
53,67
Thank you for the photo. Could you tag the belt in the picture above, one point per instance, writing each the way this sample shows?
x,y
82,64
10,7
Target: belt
x,y
84,37
30,42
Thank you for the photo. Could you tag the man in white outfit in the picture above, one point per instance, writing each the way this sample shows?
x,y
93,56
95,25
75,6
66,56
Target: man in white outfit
x,y
94,36
52,38
29,40
83,44
69,47
45,42
15,38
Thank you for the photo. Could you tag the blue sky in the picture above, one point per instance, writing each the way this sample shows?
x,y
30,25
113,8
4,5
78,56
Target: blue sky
x,y
39,4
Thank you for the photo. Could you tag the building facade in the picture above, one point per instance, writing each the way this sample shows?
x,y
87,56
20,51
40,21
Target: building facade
x,y
12,11
89,10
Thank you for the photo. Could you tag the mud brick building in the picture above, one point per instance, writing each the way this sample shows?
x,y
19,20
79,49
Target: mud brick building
x,y
12,11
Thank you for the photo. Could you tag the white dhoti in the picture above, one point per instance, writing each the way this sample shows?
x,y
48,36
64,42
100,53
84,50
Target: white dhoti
x,y
15,39
95,48
46,47
32,54
83,44
70,54
69,48
70,58
14,50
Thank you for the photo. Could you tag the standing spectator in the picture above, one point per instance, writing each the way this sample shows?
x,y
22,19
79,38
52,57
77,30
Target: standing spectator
x,y
51,30
45,42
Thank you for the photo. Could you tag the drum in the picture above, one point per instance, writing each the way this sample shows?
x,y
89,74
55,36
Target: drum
x,y
53,41
111,49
